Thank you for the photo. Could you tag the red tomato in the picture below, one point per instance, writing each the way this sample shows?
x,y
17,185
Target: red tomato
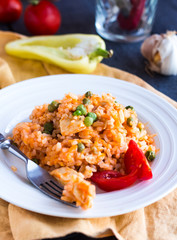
x,y
135,159
113,180
10,10
42,18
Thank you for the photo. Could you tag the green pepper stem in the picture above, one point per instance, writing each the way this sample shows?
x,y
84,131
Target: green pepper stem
x,y
34,2
102,53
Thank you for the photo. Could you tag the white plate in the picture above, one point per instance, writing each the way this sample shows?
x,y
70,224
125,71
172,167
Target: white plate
x,y
16,104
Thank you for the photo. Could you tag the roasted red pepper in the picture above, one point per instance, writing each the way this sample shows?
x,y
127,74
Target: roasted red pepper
x,y
132,21
135,159
113,180
136,167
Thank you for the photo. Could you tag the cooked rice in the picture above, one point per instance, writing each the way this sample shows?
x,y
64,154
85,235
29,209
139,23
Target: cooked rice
x,y
105,141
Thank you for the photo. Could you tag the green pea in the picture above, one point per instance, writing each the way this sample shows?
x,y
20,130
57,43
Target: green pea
x,y
88,94
53,106
35,160
88,121
80,147
77,113
92,115
130,107
129,121
150,155
86,101
48,128
115,101
82,109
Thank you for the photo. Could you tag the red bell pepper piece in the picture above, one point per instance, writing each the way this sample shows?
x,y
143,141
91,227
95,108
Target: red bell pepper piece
x,y
110,180
135,159
136,166
132,21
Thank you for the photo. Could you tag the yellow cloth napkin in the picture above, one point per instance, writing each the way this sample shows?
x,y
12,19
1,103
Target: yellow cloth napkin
x,y
155,222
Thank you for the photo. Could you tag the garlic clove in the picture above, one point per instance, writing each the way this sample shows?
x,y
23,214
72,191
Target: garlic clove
x,y
168,53
149,44
161,52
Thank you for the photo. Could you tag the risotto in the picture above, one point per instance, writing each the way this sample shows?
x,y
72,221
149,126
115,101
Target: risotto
x,y
81,134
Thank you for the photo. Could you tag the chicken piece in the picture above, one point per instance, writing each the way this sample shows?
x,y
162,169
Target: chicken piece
x,y
76,188
80,191
64,174
70,126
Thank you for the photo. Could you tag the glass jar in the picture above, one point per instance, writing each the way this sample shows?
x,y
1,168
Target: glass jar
x,y
125,20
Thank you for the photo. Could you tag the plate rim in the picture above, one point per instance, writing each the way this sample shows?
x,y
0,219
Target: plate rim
x,y
26,81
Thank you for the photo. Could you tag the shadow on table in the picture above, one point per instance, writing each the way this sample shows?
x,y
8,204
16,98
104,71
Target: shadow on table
x,y
78,236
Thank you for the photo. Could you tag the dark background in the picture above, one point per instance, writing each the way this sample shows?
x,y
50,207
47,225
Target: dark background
x,y
78,16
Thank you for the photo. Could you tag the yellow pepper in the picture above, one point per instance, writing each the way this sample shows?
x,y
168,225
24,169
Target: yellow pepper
x,y
77,53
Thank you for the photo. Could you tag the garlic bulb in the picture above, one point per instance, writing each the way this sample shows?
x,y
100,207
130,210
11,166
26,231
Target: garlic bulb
x,y
161,52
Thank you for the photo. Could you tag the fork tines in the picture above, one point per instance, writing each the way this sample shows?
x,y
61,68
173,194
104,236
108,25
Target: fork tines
x,y
55,191
52,188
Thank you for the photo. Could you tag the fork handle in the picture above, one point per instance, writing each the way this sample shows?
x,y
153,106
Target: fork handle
x,y
14,150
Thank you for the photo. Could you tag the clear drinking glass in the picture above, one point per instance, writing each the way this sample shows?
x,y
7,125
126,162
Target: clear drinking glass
x,y
124,20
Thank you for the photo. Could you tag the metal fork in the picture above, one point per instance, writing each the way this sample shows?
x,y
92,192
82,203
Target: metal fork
x,y
39,177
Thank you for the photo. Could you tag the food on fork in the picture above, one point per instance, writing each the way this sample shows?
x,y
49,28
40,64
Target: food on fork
x,y
81,138
76,188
